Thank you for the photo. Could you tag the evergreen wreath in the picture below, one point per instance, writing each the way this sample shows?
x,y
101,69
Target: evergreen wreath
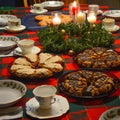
x,y
70,38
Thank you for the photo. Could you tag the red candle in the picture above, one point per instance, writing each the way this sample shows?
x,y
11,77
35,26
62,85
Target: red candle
x,y
74,8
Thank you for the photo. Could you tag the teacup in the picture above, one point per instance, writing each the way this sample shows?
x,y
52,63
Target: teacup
x,y
93,7
108,23
14,23
45,95
26,46
37,7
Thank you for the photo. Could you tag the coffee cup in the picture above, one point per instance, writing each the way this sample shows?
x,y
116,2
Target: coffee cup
x,y
14,23
26,46
45,95
37,7
108,23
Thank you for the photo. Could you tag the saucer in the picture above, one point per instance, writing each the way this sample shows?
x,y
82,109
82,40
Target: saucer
x,y
15,30
60,107
18,51
114,29
39,12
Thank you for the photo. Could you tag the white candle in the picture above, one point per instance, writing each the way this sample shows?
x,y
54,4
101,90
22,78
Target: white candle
x,y
80,17
91,18
56,20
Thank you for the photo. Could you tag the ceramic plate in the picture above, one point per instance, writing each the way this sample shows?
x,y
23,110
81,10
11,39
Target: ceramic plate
x,y
112,13
4,19
53,5
11,91
7,42
58,108
15,30
39,12
114,29
18,51
111,114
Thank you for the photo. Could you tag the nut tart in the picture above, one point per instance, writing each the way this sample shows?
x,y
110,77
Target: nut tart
x,y
87,84
98,58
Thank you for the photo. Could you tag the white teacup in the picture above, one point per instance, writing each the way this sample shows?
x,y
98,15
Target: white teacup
x,y
14,23
45,95
37,7
26,46
108,23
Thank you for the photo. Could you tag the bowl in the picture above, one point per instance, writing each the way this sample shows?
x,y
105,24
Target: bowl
x,y
11,91
8,42
53,5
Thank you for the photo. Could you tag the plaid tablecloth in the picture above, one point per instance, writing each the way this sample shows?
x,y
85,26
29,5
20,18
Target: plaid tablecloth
x,y
79,109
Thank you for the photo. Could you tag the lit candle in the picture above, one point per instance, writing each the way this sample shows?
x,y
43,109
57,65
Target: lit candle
x,y
91,18
74,8
56,20
80,17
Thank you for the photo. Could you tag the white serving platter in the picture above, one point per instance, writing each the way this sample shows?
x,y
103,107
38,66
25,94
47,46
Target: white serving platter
x,y
112,14
53,5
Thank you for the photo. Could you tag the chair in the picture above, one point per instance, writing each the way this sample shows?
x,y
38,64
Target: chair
x,y
27,3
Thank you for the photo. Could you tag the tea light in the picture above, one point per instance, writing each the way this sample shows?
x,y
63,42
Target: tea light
x,y
56,20
91,18
80,17
74,8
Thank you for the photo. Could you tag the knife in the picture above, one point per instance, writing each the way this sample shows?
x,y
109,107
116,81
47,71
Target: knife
x,y
10,110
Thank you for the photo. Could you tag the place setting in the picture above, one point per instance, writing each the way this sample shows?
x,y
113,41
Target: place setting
x,y
15,26
110,25
38,9
26,46
11,92
7,45
46,103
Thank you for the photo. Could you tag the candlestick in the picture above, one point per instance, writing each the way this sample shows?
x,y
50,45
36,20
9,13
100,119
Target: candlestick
x,y
80,17
56,19
74,7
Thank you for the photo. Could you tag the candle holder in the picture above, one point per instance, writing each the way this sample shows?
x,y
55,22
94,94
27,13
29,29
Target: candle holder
x,y
80,18
56,20
73,9
91,17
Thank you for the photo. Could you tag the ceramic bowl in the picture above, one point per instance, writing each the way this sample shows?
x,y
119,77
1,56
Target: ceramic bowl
x,y
8,42
53,5
11,92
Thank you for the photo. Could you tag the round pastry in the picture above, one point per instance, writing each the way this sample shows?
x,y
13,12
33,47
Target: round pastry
x,y
87,83
98,57
37,66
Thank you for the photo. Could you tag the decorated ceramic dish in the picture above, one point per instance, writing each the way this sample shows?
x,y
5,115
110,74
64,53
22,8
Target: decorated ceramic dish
x,y
11,91
8,42
53,5
112,13
111,114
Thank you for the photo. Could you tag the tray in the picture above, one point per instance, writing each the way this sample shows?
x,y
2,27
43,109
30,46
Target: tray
x,y
62,89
